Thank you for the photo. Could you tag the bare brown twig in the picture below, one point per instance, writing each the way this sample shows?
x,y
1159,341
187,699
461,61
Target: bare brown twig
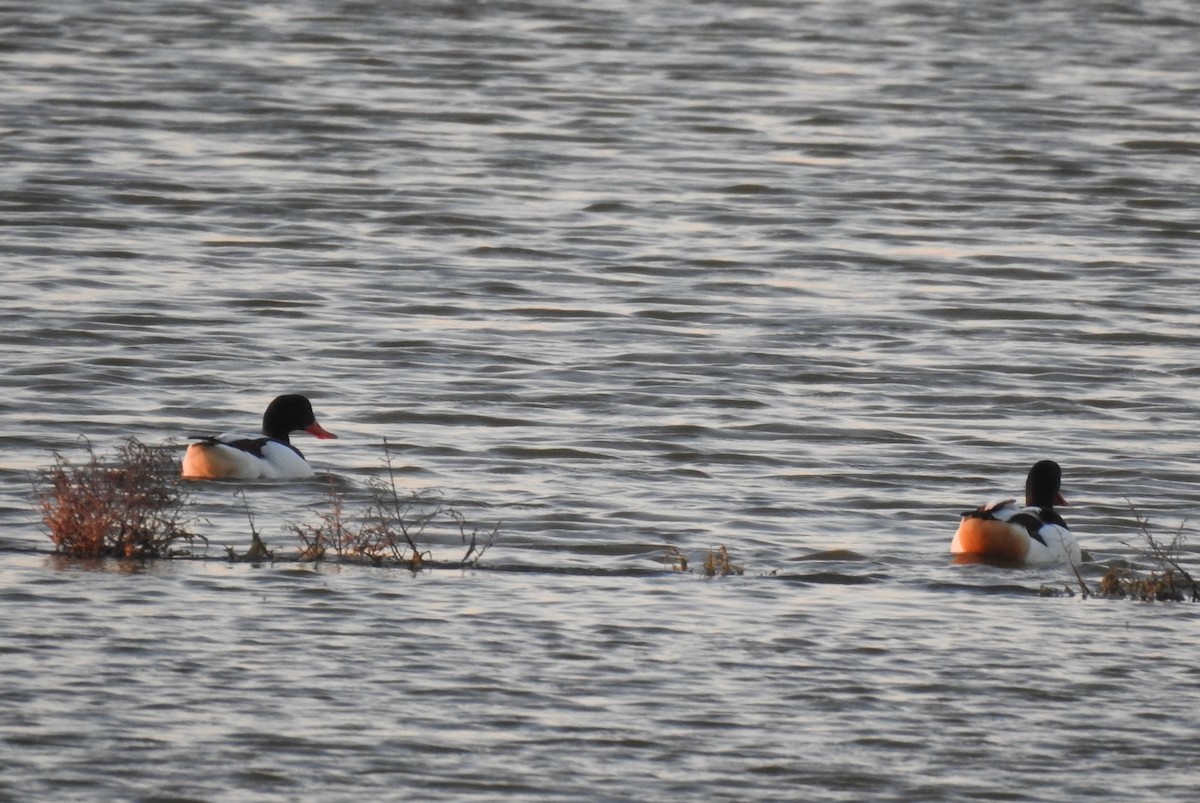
x,y
391,528
1166,581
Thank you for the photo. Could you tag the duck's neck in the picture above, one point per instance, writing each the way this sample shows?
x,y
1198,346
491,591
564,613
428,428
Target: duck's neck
x,y
276,435
1043,501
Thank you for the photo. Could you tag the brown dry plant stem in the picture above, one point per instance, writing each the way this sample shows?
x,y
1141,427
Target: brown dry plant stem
x,y
130,506
673,557
258,551
719,564
1165,581
391,528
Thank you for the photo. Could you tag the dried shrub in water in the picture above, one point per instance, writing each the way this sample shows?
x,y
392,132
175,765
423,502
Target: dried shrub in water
x,y
390,529
674,558
719,564
1124,583
1165,581
330,534
132,506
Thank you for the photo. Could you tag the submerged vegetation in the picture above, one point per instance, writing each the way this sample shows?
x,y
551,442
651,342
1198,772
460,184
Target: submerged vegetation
x,y
674,558
132,505
719,564
392,527
1162,579
258,552
1154,574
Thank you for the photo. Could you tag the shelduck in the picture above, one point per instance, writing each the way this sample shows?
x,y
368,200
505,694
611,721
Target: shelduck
x,y
267,456
1006,533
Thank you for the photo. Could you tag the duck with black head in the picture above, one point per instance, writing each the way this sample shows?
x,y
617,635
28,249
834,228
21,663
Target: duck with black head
x,y
267,456
1006,533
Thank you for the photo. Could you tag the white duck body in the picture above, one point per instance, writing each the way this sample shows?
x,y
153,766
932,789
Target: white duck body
x,y
244,457
1000,531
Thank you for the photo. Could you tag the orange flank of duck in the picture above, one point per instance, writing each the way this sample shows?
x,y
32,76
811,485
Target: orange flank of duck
x,y
995,540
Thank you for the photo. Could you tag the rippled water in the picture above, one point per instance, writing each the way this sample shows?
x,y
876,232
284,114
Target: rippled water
x,y
805,279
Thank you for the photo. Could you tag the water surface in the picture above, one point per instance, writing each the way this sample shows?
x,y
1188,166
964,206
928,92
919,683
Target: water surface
x,y
801,279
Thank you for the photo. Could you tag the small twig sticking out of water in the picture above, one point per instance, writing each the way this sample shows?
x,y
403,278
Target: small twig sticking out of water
x,y
330,532
718,563
1083,587
258,552
474,552
1166,581
1167,556
396,506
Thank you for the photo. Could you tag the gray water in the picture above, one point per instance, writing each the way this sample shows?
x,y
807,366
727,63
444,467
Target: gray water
x,y
803,279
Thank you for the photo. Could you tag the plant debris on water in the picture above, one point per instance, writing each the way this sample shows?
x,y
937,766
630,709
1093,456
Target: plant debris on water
x,y
391,529
130,506
719,564
1156,574
258,552
1165,579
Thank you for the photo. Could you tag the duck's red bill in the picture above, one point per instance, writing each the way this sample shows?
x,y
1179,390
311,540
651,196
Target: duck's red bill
x,y
318,431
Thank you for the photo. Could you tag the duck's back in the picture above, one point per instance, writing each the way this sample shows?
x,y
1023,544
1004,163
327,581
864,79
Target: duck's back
x,y
987,531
